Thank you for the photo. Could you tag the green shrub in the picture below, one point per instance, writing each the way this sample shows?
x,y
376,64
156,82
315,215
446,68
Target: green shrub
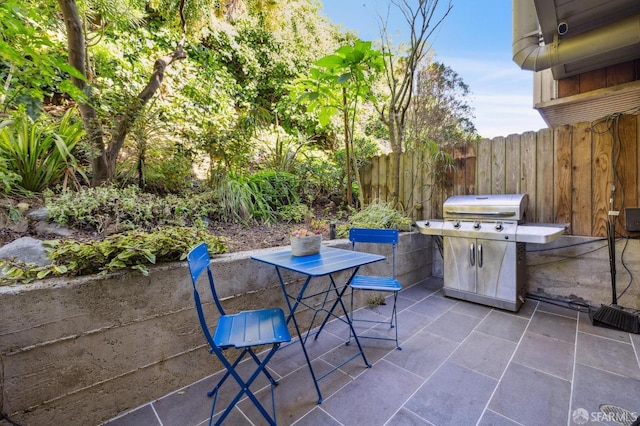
x,y
156,165
375,215
296,213
171,175
320,179
131,250
257,197
118,209
277,189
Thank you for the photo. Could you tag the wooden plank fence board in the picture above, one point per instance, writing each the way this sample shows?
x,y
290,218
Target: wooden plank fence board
x,y
416,195
427,185
375,178
450,187
512,164
528,171
470,168
385,163
562,175
544,176
581,214
407,182
602,177
498,165
365,179
483,167
460,174
626,168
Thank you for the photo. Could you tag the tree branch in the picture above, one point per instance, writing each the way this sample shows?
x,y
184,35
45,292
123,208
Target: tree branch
x,y
134,109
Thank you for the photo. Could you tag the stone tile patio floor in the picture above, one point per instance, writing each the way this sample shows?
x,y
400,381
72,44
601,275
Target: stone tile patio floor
x,y
461,364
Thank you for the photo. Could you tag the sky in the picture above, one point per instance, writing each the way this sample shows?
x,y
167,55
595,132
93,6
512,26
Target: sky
x,y
475,41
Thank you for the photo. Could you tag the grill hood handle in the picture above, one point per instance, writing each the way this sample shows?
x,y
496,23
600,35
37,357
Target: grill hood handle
x,y
495,214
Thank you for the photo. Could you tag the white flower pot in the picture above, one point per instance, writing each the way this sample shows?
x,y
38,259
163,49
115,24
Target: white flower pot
x,y
306,246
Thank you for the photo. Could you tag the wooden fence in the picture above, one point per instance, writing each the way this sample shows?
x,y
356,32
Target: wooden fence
x,y
568,173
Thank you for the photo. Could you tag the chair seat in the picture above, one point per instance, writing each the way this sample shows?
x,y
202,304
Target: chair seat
x,y
367,282
251,328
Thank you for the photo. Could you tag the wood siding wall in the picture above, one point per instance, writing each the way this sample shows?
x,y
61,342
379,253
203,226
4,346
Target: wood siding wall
x,y
610,76
567,172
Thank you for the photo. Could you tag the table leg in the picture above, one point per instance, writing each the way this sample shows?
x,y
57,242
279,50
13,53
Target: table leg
x,y
338,298
344,309
291,316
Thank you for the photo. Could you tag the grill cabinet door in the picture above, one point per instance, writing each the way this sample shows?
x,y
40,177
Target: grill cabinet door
x,y
483,267
460,263
496,266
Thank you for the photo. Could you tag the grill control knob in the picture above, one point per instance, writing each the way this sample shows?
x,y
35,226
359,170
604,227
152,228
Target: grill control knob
x,y
476,225
456,224
499,226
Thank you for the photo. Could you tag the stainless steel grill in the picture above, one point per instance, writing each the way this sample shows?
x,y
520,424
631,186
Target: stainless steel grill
x,y
483,243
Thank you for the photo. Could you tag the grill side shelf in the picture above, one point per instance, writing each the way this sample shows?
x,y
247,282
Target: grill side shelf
x,y
539,233
430,227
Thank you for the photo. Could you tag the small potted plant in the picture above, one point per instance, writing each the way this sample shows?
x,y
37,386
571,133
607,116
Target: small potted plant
x,y
305,242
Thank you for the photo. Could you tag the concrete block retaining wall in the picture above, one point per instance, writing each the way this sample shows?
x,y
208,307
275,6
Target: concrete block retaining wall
x,y
81,351
578,268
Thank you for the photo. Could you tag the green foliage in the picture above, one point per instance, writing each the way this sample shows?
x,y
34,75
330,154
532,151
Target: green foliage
x,y
154,160
132,250
277,189
8,179
296,213
114,209
344,76
232,83
229,149
237,200
40,151
280,151
376,300
169,172
257,197
364,148
375,215
30,61
321,178
340,82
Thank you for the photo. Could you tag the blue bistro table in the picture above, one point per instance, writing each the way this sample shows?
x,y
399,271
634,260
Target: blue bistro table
x,y
326,263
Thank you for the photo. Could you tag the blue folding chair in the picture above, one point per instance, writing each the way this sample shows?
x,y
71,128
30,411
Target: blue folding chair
x,y
244,330
377,283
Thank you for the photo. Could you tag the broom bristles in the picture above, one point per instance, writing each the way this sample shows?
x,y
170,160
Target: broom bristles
x,y
615,316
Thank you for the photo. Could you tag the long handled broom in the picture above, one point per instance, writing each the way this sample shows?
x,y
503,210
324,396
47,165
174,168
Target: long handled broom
x,y
614,316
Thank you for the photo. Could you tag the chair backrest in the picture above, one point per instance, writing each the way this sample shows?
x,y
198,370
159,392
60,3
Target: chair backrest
x,y
376,236
199,260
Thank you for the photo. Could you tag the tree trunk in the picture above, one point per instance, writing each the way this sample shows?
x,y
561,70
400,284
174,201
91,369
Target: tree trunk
x,y
396,148
347,139
76,50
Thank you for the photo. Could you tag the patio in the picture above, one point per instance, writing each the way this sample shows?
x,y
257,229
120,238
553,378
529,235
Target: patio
x,y
460,364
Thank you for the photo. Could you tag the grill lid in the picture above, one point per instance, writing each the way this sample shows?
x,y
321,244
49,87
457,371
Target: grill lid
x,y
488,207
